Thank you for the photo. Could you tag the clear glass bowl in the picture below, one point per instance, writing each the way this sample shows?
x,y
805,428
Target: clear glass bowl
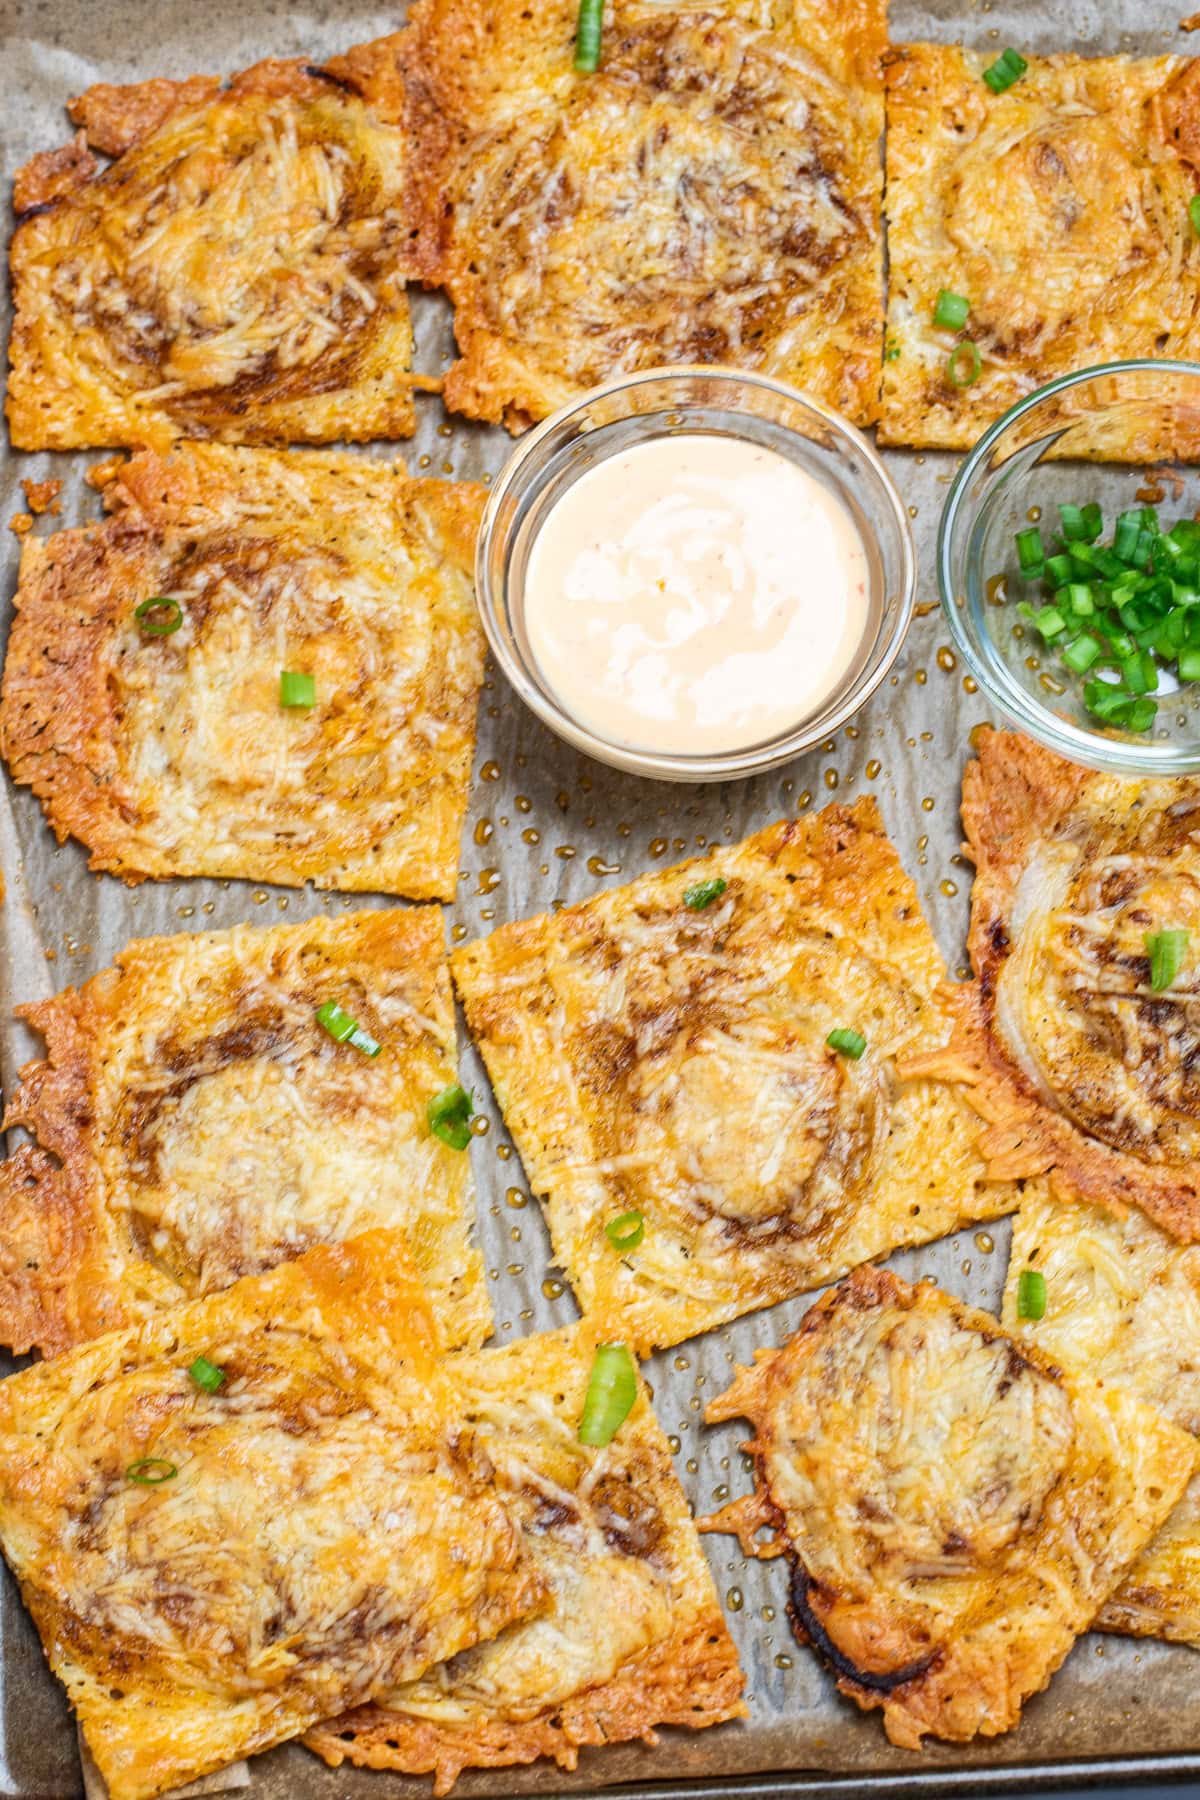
x,y
660,402
1122,434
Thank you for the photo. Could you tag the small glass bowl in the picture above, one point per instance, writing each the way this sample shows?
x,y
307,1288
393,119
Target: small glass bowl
x,y
657,403
1124,434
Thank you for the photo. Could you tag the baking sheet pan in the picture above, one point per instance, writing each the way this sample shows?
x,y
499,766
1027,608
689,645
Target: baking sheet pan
x,y
546,825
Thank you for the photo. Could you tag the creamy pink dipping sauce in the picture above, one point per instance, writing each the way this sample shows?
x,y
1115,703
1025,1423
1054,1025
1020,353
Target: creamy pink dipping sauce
x,y
695,594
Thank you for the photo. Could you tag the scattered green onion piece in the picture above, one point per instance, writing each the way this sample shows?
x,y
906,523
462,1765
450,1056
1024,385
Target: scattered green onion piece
x,y
1079,599
1007,68
149,621
1167,952
1060,571
1031,1294
892,353
1072,522
961,373
587,36
1139,673
1194,212
951,311
611,1393
448,1115
626,1231
703,893
151,1471
1140,715
345,1030
1050,622
847,1041
1125,538
1189,665
206,1374
296,688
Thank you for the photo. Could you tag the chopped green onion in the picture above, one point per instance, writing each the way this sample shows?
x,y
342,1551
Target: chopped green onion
x,y
1082,652
587,36
963,364
1007,68
1194,212
892,353
149,1471
703,893
1167,952
206,1374
848,1041
345,1030
611,1393
1189,665
1031,1294
159,616
448,1115
296,689
626,1231
1031,552
951,311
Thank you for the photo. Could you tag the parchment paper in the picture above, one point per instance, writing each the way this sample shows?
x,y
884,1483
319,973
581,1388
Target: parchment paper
x,y
546,824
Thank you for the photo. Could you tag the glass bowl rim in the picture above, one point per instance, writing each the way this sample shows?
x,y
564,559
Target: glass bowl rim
x,y
659,765
1114,756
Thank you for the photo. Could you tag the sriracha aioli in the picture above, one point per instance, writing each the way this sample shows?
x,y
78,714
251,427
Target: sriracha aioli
x,y
695,594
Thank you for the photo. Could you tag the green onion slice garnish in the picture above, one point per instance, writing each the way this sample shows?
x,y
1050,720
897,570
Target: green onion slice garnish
x,y
1194,213
1167,949
611,1392
296,688
345,1030
951,310
206,1374
703,893
587,36
159,616
1031,1294
626,1231
963,364
849,1042
1007,68
150,1471
449,1116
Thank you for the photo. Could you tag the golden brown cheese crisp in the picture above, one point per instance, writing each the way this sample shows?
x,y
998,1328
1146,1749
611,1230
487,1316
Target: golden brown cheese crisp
x,y
954,1507
194,1123
634,1636
1058,209
213,1572
1123,1302
655,1059
710,195
163,743
235,272
1077,1064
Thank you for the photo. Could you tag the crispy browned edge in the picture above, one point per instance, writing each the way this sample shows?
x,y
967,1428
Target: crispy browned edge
x,y
55,701
446,44
1015,793
693,1681
58,1283
114,118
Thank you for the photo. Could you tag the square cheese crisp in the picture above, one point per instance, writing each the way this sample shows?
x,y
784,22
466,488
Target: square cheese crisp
x,y
710,194
195,1123
1123,1302
212,1572
633,1637
664,1067
1058,209
1079,1065
233,273
954,1507
162,741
